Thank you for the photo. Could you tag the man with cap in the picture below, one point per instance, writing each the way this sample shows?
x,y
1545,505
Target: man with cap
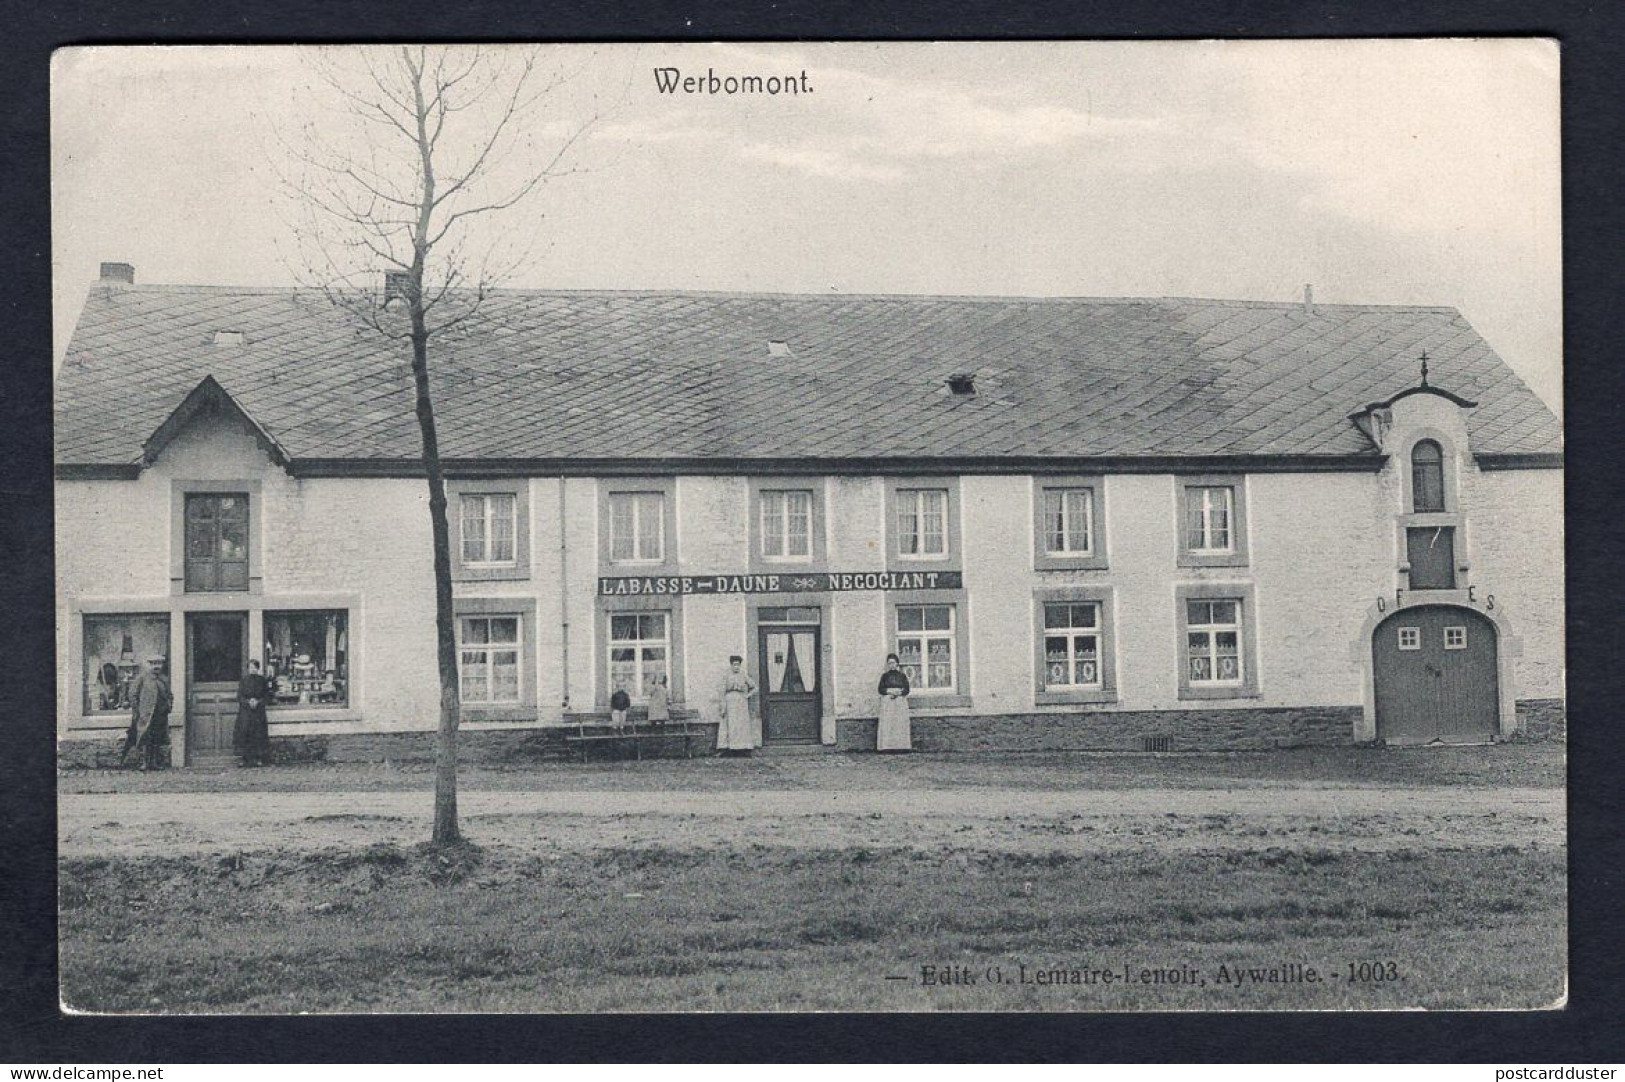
x,y
150,702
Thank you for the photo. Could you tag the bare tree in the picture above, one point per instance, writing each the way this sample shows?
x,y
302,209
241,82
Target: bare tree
x,y
429,144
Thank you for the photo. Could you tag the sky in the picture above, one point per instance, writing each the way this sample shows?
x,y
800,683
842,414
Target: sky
x,y
1380,172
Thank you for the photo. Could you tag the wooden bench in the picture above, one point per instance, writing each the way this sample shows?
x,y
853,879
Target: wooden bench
x,y
637,735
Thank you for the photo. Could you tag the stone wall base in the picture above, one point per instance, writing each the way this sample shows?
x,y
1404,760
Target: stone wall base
x,y
477,747
1132,730
1243,729
1542,719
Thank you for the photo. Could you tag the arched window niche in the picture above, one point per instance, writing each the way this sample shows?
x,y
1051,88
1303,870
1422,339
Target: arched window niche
x,y
1427,477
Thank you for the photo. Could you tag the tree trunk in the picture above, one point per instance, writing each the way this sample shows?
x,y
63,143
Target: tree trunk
x,y
446,831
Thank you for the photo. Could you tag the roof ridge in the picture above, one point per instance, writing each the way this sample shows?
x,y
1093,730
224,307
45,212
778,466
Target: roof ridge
x,y
971,298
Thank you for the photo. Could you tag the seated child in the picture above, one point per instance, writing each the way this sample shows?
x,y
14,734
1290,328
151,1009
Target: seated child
x,y
619,703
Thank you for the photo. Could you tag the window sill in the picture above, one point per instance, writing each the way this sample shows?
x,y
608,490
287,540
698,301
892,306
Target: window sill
x,y
221,598
1079,696
517,712
1205,694
489,573
1056,561
90,725
1215,559
921,700
304,715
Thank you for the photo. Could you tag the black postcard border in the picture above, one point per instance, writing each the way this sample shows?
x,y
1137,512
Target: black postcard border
x,y
33,1032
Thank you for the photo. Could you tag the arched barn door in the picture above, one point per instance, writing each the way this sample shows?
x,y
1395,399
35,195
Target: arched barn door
x,y
1435,672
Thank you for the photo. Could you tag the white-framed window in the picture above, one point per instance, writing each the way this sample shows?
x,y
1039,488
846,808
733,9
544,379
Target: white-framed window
x,y
639,651
927,647
1069,521
787,524
1410,638
488,528
637,527
1455,638
1213,643
1072,645
489,659
922,522
1210,519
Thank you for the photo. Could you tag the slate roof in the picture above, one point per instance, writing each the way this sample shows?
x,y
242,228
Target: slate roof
x,y
660,375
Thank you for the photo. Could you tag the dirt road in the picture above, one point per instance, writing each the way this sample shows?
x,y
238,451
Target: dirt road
x,y
1333,817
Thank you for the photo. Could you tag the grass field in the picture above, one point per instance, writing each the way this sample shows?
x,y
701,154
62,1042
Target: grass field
x,y
394,929
1459,903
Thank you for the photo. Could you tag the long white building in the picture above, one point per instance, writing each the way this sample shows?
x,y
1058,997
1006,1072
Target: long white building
x,y
1134,524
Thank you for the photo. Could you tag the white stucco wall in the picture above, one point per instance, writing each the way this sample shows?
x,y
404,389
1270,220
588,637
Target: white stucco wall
x,y
1323,548
1517,558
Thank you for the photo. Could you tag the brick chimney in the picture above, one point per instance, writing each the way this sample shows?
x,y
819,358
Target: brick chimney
x,y
122,273
397,283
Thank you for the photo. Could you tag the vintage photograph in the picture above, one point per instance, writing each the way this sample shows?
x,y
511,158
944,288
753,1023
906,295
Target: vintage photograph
x,y
900,527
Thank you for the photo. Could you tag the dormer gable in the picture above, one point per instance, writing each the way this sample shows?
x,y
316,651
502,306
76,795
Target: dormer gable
x,y
1393,424
209,402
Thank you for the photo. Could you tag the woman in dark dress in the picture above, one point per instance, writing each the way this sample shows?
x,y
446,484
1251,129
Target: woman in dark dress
x,y
252,734
892,730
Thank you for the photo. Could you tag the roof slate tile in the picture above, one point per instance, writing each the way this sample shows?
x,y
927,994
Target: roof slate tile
x,y
658,375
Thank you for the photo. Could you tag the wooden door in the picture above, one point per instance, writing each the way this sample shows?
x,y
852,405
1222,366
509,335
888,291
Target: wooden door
x,y
791,696
1435,670
216,654
1431,551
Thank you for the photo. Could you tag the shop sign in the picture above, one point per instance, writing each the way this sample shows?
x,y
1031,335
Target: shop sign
x,y
810,582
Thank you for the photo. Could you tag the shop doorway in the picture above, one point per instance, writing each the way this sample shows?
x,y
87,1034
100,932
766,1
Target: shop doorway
x,y
787,657
216,651
1435,674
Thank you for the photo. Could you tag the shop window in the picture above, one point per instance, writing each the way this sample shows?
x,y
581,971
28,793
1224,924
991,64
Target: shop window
x,y
927,647
307,657
1213,652
488,663
639,651
216,541
637,527
116,649
787,516
922,522
1072,646
1427,477
488,529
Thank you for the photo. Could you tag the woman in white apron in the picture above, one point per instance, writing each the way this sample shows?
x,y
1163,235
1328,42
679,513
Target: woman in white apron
x,y
892,732
737,733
